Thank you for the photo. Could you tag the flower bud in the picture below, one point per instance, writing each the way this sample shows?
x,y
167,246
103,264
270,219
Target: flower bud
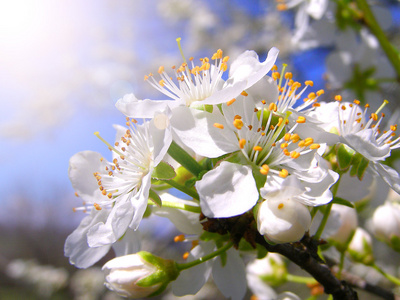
x,y
283,220
360,247
271,270
386,224
348,224
139,275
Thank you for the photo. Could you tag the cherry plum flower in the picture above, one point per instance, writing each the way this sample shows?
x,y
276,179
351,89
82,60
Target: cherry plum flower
x,y
199,85
117,194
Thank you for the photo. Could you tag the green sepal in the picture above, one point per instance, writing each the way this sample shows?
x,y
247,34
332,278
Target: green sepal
x,y
261,251
167,271
213,236
341,201
395,242
163,171
153,196
344,156
362,167
365,257
204,107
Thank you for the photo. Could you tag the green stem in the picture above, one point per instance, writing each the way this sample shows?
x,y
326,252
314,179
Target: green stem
x,y
327,211
187,161
300,279
182,188
386,275
376,30
194,209
204,258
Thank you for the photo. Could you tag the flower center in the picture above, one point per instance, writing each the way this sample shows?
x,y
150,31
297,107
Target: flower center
x,y
192,82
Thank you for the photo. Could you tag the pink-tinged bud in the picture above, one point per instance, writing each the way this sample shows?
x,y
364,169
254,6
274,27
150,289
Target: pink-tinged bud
x,y
283,220
139,275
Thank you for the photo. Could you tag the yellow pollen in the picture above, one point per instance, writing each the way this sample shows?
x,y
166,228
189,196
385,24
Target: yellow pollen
x,y
230,102
312,96
185,255
225,59
287,137
374,116
338,98
284,173
309,82
308,141
280,206
218,125
160,69
276,75
146,77
244,93
272,107
288,75
295,138
238,123
284,145
343,107
301,143
179,238
274,68
356,102
104,192
286,152
320,92
279,122
314,146
264,169
301,119
109,195
393,127
294,154
76,194
263,102
257,148
242,142
224,67
96,206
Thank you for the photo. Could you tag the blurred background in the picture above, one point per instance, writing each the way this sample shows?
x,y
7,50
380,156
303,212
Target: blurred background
x,y
64,64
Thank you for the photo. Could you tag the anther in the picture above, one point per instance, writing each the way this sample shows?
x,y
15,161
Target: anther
x,y
238,124
218,125
301,119
309,82
264,169
185,255
160,69
338,98
230,102
179,238
244,93
280,206
314,146
283,173
257,148
96,206
242,142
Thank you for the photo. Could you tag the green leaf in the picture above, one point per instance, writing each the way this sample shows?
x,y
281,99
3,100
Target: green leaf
x,y
395,242
153,196
344,156
341,201
163,171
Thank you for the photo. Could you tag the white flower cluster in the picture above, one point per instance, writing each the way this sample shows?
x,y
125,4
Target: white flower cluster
x,y
238,156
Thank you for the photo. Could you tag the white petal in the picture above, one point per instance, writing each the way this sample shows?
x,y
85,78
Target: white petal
x,y
227,93
195,128
81,168
389,175
139,201
248,67
185,221
130,243
104,233
364,142
160,131
228,190
76,246
190,281
131,107
230,278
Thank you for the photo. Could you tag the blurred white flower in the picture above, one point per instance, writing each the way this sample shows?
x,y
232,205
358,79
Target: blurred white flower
x,y
386,223
348,224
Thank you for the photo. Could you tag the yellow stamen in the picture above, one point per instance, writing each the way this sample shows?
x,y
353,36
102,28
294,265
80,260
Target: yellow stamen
x,y
257,148
218,125
301,119
280,206
242,142
230,102
238,123
179,238
284,173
